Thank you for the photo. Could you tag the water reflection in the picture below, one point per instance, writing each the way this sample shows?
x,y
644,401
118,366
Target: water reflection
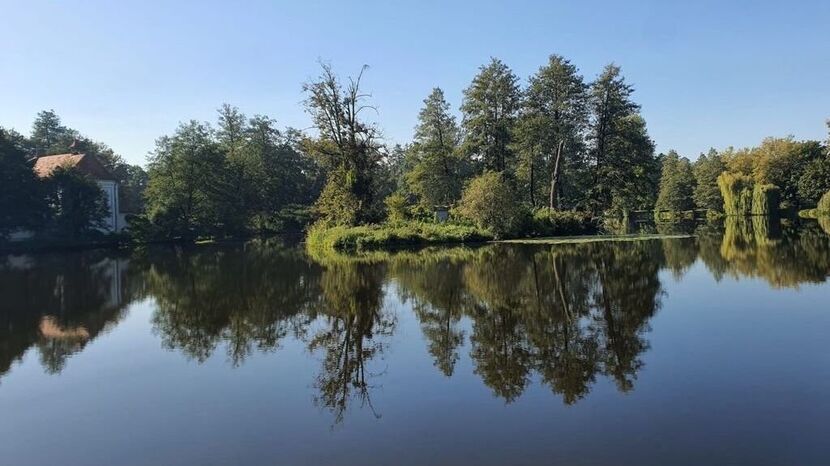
x,y
566,315
58,304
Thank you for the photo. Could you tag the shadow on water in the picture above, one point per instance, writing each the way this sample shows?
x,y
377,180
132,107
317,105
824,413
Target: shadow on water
x,y
567,314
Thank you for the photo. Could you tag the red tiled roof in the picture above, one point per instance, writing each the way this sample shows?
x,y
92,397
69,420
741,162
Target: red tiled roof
x,y
85,163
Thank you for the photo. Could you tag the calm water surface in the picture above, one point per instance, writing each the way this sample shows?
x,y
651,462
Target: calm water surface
x,y
709,350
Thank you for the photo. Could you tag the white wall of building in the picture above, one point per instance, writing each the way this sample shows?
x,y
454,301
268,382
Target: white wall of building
x,y
111,222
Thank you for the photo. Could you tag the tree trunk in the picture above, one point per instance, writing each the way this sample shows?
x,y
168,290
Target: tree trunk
x,y
554,178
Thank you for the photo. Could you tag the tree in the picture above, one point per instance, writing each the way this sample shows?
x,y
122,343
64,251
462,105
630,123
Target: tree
x,y
550,132
282,174
814,182
490,202
778,161
401,161
346,143
736,190
78,205
131,189
49,136
706,170
338,204
490,109
610,131
184,188
436,176
22,204
243,173
631,175
676,184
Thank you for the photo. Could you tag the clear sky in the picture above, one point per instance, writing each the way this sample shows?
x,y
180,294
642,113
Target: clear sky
x,y
716,73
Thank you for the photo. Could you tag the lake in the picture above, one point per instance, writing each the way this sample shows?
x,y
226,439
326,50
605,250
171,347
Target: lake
x,y
705,350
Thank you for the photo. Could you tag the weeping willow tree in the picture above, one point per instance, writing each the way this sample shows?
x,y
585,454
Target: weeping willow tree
x,y
742,197
737,193
765,199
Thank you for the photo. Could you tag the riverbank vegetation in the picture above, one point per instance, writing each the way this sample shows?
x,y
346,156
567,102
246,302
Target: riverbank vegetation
x,y
553,155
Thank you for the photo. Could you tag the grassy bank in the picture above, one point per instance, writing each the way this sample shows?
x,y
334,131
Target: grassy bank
x,y
390,235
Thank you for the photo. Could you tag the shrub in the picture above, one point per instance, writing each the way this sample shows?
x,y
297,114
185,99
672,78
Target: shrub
x,y
547,222
368,237
396,207
824,204
737,193
337,204
490,202
766,199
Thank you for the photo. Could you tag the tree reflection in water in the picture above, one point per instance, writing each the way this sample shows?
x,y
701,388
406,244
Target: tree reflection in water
x,y
563,314
567,312
355,323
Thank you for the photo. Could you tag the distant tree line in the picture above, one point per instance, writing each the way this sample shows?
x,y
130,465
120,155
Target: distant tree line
x,y
791,174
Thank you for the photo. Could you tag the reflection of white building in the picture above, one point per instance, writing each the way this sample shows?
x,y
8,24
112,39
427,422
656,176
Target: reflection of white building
x,y
89,165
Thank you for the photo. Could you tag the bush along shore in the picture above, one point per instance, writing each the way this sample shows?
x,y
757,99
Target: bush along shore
x,y
403,233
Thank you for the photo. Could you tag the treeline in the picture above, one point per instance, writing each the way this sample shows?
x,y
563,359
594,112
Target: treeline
x,y
547,156
779,174
244,175
65,204
558,143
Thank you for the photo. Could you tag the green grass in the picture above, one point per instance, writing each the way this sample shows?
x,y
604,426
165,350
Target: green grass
x,y
389,235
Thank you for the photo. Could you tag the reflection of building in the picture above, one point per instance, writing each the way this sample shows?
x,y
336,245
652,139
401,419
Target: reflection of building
x,y
59,303
89,165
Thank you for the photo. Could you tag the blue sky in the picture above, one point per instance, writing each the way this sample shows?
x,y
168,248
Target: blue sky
x,y
706,73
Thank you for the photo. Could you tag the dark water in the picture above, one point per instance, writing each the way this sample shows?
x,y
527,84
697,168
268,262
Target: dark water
x,y
709,350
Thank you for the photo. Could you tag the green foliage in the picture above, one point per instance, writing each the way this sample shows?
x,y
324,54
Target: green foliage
x,y
490,202
823,206
676,184
632,175
766,199
438,169
233,181
367,237
345,140
491,105
78,205
815,181
625,171
547,222
49,136
808,213
184,192
22,205
337,204
786,163
554,112
397,207
736,191
706,169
